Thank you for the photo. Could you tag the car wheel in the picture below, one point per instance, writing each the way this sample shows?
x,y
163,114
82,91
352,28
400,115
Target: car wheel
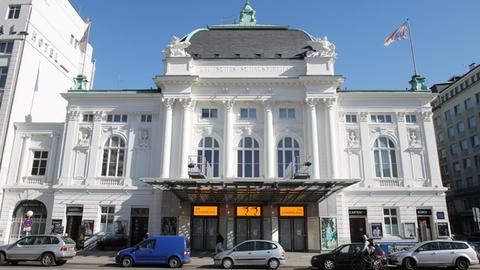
x,y
273,264
462,264
3,259
409,264
62,262
47,259
174,262
329,264
227,263
127,261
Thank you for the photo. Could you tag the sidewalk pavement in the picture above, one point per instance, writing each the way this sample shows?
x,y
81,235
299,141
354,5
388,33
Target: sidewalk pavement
x,y
294,259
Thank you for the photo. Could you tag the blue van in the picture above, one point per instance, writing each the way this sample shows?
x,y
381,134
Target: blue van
x,y
171,250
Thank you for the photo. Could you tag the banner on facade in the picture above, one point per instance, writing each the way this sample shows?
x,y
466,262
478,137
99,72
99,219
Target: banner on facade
x,y
328,229
205,211
292,211
249,211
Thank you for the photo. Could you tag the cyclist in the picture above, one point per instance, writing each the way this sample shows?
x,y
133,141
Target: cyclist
x,y
368,248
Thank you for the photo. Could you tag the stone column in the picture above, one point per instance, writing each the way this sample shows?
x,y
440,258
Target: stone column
x,y
23,158
228,138
167,137
186,135
52,158
95,156
332,127
270,140
68,153
432,165
367,166
312,105
402,165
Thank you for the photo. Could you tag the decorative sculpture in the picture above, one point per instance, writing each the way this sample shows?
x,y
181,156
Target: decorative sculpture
x,y
321,47
176,48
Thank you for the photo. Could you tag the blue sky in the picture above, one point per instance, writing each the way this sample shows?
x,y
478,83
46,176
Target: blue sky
x,y
129,36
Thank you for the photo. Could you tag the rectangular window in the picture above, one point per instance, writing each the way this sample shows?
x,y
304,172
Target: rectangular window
x,y
475,141
106,219
467,163
453,149
117,118
443,153
3,77
287,113
351,118
444,170
438,121
461,128
391,221
457,109
469,181
451,132
456,167
477,161
248,113
146,118
6,47
448,116
459,184
411,118
14,11
39,166
468,104
464,145
380,118
477,97
472,122
441,137
87,117
209,113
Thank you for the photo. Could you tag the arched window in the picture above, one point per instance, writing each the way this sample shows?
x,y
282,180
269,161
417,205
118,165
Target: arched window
x,y
385,158
288,151
209,152
113,157
248,158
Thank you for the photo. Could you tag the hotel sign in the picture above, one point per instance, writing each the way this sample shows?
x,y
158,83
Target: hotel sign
x,y
205,211
249,211
292,211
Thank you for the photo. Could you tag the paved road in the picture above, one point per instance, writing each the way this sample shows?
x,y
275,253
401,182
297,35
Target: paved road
x,y
33,266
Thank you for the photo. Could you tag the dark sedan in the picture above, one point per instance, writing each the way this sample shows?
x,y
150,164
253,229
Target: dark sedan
x,y
341,257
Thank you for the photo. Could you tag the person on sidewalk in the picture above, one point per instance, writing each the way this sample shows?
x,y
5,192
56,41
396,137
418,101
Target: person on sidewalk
x,y
219,245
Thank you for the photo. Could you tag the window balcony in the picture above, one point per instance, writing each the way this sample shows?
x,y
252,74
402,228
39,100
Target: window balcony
x,y
110,181
34,180
389,182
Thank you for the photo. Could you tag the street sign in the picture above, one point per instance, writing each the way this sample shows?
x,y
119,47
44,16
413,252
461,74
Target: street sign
x,y
27,222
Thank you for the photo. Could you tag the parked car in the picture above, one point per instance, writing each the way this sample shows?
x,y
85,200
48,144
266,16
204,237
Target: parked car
x,y
252,252
444,253
48,249
343,257
171,250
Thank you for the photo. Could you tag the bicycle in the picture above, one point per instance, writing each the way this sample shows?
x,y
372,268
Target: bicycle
x,y
363,262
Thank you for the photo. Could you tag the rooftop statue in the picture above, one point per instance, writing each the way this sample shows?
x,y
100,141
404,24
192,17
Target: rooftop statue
x,y
176,48
321,47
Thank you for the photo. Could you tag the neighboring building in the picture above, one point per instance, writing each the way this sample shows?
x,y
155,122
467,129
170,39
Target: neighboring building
x,y
456,114
248,135
40,54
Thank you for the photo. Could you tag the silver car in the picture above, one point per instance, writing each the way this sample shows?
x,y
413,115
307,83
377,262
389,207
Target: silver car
x,y
48,249
444,253
252,252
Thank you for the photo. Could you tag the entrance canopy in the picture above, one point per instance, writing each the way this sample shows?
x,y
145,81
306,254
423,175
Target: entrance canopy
x,y
251,190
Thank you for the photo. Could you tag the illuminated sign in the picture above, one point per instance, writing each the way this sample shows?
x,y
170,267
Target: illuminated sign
x,y
205,211
249,211
292,211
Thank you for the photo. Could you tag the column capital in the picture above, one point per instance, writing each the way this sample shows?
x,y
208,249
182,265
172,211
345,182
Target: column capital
x,y
426,116
268,104
400,116
228,104
312,102
364,116
98,116
73,114
187,103
168,102
330,102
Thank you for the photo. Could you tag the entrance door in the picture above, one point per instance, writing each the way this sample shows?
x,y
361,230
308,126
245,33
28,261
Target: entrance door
x,y
204,233
139,225
248,228
358,229
293,234
424,229
74,222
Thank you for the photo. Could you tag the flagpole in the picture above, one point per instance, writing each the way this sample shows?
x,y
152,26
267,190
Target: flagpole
x,y
412,48
89,24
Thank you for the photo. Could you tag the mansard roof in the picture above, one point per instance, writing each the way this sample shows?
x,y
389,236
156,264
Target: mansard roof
x,y
248,42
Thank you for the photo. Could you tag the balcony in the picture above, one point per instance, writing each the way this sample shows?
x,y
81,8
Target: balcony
x,y
389,182
34,180
110,181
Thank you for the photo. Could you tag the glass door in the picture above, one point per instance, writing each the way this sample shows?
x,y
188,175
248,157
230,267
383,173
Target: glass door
x,y
248,229
293,235
204,233
285,239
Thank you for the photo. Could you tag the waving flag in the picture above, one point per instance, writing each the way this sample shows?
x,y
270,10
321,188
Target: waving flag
x,y
401,33
84,40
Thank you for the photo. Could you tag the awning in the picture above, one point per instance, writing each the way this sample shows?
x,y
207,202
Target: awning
x,y
251,191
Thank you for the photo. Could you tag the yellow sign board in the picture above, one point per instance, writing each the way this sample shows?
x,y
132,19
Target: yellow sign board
x,y
205,211
292,211
249,211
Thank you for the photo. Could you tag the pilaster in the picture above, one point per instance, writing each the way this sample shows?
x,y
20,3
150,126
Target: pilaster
x,y
228,138
186,135
312,106
270,140
167,137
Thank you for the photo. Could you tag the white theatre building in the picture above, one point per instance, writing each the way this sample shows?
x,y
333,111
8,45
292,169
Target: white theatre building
x,y
248,135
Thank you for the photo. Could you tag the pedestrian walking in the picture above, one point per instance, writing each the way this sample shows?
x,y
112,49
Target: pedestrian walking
x,y
219,245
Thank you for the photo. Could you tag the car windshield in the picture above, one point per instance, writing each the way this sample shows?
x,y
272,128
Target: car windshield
x,y
68,240
338,249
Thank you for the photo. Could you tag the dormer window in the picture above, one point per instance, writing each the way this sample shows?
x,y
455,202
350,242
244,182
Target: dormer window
x,y
258,55
217,55
237,55
278,55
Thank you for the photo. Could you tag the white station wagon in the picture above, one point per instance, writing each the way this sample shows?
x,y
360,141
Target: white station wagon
x,y
444,253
